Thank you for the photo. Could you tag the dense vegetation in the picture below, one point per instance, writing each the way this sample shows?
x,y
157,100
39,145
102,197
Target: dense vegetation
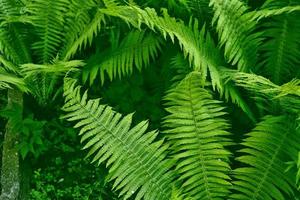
x,y
154,100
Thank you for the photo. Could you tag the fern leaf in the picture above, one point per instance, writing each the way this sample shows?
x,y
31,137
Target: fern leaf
x,y
76,20
48,20
235,28
265,13
281,47
136,161
9,80
197,132
58,68
8,66
287,95
85,36
228,90
12,33
232,94
42,79
273,142
136,49
196,45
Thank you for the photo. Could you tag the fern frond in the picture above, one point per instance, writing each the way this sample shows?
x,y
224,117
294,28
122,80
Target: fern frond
x,y
273,142
281,47
76,20
43,79
8,66
9,80
136,49
197,132
232,94
265,13
287,95
199,8
136,162
48,20
235,29
12,33
196,45
85,36
57,68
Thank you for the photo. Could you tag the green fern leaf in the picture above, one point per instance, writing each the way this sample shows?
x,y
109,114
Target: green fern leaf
x,y
196,45
197,132
265,13
136,161
287,95
13,34
85,36
136,49
57,68
281,49
235,28
273,142
77,21
42,79
9,81
48,20
8,66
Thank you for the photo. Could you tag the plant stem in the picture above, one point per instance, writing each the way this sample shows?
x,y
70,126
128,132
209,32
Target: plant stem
x,y
10,175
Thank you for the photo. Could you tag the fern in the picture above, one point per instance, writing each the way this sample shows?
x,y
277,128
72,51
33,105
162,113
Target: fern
x,y
137,163
287,95
9,81
57,68
272,143
198,8
136,49
48,20
8,66
265,13
12,33
197,132
85,35
77,20
228,90
281,47
36,75
235,30
197,45
232,94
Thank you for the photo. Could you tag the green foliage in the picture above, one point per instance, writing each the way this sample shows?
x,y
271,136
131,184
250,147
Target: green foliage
x,y
266,149
197,133
245,53
31,137
51,183
48,20
142,170
195,45
29,130
136,49
235,28
281,45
